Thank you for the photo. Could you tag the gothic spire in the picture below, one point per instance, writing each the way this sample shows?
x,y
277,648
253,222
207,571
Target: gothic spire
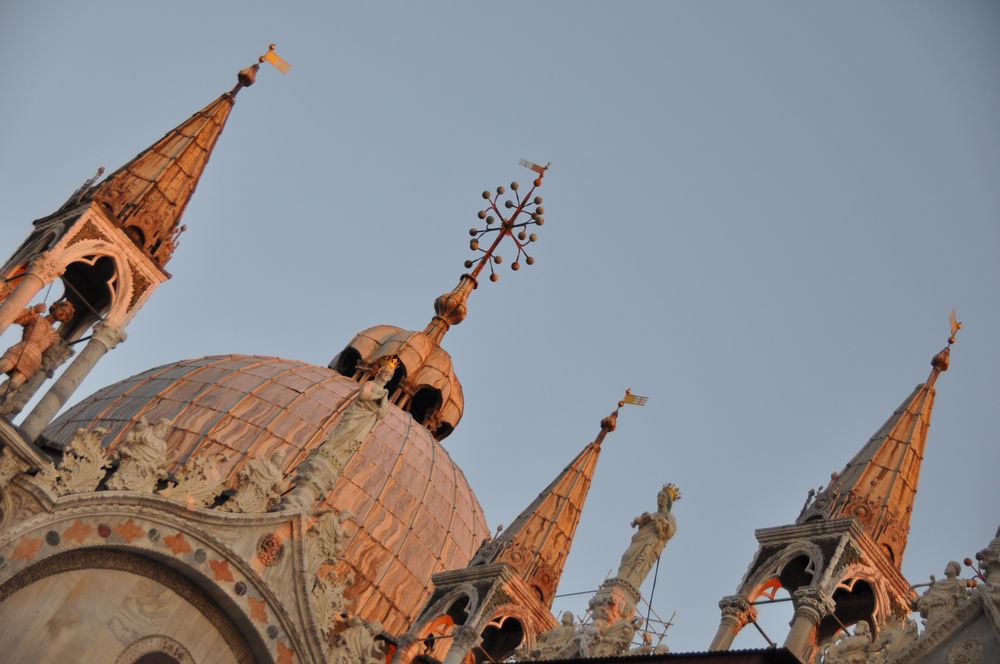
x,y
147,195
537,543
879,485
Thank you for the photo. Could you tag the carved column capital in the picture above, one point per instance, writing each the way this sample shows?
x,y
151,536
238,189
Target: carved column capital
x,y
108,335
466,637
813,604
45,267
737,611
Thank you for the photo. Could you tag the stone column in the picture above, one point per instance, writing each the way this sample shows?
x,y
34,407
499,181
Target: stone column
x,y
105,337
465,639
737,612
811,606
41,272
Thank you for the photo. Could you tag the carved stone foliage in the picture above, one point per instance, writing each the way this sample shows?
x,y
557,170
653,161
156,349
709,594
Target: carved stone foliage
x,y
330,602
83,466
88,231
325,540
141,457
259,485
356,644
199,483
324,544
140,283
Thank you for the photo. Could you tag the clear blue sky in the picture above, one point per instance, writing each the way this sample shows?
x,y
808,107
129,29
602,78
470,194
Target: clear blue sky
x,y
758,214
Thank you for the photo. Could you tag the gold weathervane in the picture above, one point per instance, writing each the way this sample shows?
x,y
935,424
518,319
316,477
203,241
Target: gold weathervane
x,y
633,399
273,58
956,325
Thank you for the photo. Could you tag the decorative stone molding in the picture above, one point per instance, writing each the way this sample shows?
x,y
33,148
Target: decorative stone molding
x,y
157,643
11,466
259,484
141,457
200,483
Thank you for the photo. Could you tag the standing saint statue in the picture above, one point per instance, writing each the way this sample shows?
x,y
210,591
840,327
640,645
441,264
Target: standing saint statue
x,y
648,542
319,472
24,358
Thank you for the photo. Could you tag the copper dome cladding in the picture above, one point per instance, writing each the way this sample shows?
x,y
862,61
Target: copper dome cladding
x,y
414,512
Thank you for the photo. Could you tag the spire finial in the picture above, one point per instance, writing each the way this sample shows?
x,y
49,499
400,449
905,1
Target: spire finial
x,y
450,308
248,76
940,361
609,423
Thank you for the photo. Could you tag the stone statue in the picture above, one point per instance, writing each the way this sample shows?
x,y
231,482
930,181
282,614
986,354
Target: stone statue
x,y
200,483
142,458
851,648
316,476
937,603
895,636
259,483
24,358
557,643
611,632
648,542
356,644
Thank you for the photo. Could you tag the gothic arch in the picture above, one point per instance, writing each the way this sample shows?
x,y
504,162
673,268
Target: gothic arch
x,y
121,283
789,567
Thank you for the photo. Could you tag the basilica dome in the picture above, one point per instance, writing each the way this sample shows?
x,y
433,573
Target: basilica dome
x,y
414,513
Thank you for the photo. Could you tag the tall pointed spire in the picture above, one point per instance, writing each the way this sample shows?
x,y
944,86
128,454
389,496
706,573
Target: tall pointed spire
x,y
538,542
879,484
147,196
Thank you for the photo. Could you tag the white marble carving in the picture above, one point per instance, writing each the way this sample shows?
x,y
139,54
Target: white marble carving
x,y
259,484
142,458
317,475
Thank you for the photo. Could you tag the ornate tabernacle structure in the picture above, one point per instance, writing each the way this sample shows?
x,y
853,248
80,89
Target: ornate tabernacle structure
x,y
242,508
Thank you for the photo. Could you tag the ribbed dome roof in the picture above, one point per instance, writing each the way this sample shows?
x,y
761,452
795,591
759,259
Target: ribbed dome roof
x,y
414,512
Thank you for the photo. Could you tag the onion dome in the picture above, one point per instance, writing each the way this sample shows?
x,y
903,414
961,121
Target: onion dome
x,y
413,512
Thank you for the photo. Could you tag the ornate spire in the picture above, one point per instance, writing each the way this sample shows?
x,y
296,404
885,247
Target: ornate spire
x,y
450,308
879,484
147,196
537,543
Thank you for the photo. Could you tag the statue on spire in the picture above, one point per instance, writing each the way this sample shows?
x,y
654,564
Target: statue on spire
x,y
655,529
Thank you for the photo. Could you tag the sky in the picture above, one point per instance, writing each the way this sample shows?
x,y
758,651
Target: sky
x,y
758,214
